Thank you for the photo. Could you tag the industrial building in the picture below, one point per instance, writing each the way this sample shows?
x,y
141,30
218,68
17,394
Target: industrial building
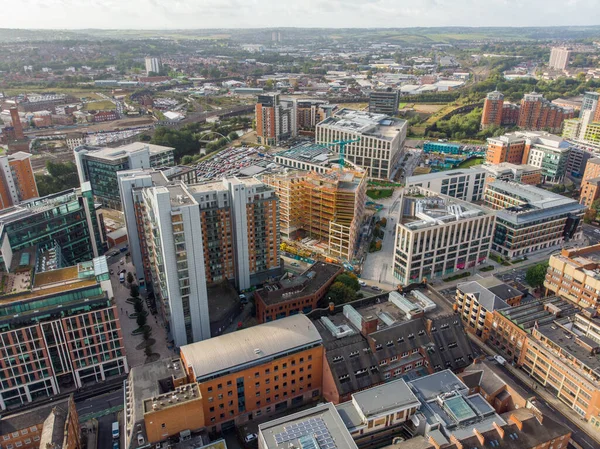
x,y
185,237
66,323
437,235
324,208
464,184
531,219
381,139
99,166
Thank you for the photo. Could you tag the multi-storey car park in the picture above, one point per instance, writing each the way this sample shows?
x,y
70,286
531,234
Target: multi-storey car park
x,y
381,139
437,235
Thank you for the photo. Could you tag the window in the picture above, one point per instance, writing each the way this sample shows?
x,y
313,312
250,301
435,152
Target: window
x,y
163,425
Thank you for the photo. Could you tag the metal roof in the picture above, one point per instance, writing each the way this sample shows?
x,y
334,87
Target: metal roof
x,y
249,346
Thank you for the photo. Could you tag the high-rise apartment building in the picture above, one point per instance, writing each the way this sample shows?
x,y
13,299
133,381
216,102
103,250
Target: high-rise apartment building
x,y
559,58
275,119
185,237
381,139
99,166
59,327
586,128
437,235
325,206
465,185
537,113
310,112
152,65
17,179
536,148
534,113
384,102
530,219
492,110
66,222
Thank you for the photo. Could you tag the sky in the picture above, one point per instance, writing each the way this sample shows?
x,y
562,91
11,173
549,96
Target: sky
x,y
201,14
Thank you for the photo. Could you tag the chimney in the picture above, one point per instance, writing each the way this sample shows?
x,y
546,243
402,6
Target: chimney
x,y
16,123
369,325
435,443
456,442
479,436
516,421
499,429
428,326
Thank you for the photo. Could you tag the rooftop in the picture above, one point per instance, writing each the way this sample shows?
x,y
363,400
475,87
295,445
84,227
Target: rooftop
x,y
445,174
423,208
507,166
540,311
111,154
359,122
318,427
237,350
33,417
384,397
491,292
305,284
308,152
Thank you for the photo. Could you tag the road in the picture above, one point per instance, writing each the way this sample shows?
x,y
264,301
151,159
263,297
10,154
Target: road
x,y
591,233
105,408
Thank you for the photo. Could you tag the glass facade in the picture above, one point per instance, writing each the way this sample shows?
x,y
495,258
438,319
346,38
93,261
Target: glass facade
x,y
102,175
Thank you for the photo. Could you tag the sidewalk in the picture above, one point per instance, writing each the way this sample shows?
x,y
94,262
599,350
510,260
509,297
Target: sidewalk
x,y
561,407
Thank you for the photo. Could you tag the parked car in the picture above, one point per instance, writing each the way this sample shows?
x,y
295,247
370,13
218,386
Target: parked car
x,y
362,283
295,264
250,437
377,289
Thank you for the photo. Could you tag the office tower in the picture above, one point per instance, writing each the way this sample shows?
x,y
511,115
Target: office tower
x,y
492,110
559,58
536,148
185,237
18,182
465,185
437,235
16,123
384,102
275,119
381,139
99,166
152,65
59,327
64,221
531,219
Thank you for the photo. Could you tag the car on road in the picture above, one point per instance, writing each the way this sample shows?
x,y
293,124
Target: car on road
x,y
115,444
250,437
597,231
362,283
377,289
295,264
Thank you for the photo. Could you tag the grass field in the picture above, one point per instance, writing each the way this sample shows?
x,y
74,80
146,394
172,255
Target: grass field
x,y
77,93
471,162
103,105
355,106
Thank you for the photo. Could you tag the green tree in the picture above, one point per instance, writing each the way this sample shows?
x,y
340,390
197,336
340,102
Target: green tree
x,y
61,176
148,350
187,159
141,320
138,307
146,333
535,275
349,279
129,278
134,291
340,293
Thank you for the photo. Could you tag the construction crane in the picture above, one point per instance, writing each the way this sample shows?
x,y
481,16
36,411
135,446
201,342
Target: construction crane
x,y
342,144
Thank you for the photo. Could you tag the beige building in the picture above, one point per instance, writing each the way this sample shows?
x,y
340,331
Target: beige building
x,y
559,58
437,235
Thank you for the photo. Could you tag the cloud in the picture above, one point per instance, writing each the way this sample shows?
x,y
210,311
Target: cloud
x,y
157,14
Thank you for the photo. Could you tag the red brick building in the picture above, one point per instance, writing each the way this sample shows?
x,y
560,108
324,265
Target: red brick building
x,y
294,295
105,116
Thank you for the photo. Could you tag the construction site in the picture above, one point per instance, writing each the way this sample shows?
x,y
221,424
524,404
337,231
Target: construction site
x,y
321,212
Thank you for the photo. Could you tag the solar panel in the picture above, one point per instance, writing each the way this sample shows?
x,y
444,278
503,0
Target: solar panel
x,y
311,434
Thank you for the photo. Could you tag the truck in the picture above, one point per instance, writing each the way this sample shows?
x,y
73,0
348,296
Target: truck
x,y
115,429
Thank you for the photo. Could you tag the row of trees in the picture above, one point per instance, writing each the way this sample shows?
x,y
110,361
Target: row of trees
x,y
141,316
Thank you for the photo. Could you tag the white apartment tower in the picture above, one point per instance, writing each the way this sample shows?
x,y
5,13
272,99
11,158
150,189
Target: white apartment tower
x,y
152,65
559,58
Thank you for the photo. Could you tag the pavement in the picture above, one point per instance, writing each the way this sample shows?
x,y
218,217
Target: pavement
x,y
135,357
105,410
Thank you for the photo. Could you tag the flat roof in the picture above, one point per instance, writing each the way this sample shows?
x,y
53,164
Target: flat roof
x,y
379,399
307,152
318,427
446,174
124,150
360,122
539,311
429,387
248,346
305,284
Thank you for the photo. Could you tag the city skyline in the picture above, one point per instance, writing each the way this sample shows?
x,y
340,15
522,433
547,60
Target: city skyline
x,y
211,14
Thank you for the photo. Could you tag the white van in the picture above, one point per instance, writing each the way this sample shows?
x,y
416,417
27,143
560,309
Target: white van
x,y
115,429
